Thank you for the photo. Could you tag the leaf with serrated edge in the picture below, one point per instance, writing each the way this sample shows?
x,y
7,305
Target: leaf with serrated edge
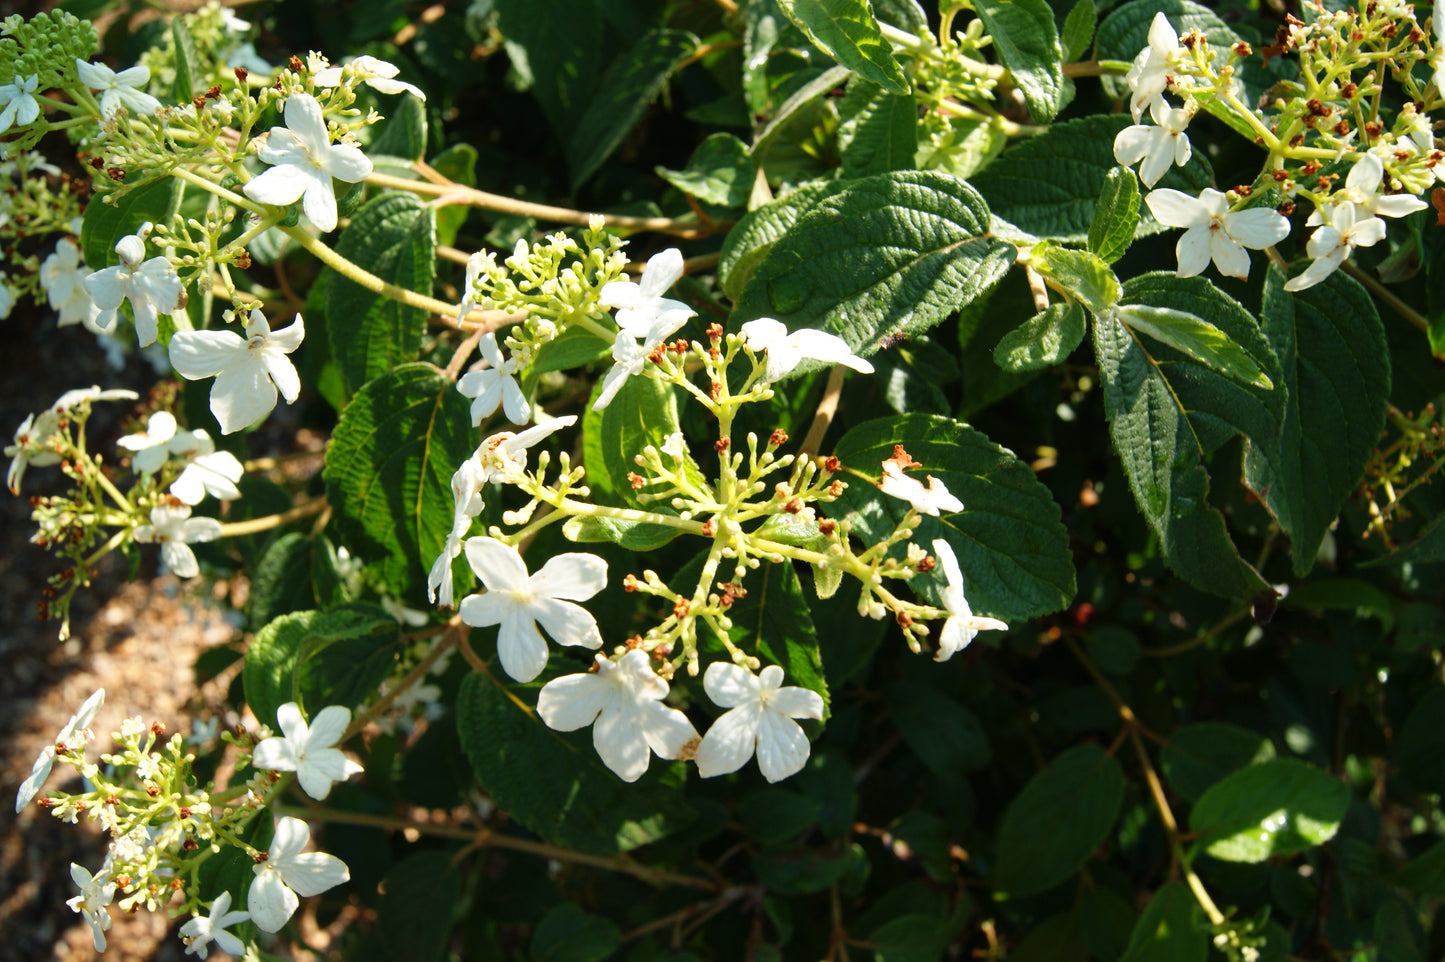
x,y
1027,43
278,650
1083,274
105,224
1044,339
847,31
1078,30
719,172
752,237
1198,338
643,412
1277,807
887,254
1116,214
1010,543
877,130
1337,377
1169,929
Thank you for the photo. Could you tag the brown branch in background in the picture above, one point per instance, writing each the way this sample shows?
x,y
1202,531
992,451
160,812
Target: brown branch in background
x,y
823,417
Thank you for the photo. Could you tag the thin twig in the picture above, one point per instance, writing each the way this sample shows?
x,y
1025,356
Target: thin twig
x,y
255,525
823,417
1386,295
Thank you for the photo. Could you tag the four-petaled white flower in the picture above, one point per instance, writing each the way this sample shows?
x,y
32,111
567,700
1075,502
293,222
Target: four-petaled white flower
x,y
207,470
622,702
517,601
118,89
245,370
375,73
96,891
289,872
467,503
20,106
175,531
786,351
32,438
504,455
202,930
1332,243
303,162
495,386
962,624
477,264
930,500
641,308
1213,231
152,286
63,275
309,751
77,726
759,719
1148,77
1362,188
628,358
1159,145
151,448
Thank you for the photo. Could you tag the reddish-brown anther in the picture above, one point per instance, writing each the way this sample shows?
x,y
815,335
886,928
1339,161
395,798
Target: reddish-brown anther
x,y
903,459
680,609
779,436
832,463
709,528
721,444
927,564
629,583
241,74
636,480
827,527
714,331
295,64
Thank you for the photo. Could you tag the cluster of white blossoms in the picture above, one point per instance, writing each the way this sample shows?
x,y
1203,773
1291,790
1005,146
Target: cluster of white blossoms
x,y
35,441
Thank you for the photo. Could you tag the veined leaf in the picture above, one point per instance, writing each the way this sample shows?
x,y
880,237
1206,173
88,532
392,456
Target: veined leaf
x,y
1277,807
1201,754
558,50
847,31
1198,338
643,413
1116,215
188,62
1169,929
1044,339
891,253
800,98
719,172
458,163
1083,274
945,735
415,914
1027,43
105,224
752,237
1078,30
1336,373
404,133
877,130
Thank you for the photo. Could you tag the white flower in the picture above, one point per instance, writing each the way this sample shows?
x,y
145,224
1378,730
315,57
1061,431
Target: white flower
x,y
77,726
309,751
641,308
517,601
1149,75
962,625
930,500
407,617
1332,243
623,703
232,24
245,370
20,106
375,73
96,891
63,275
1362,187
467,503
494,386
786,351
289,872
201,930
207,470
33,436
477,264
151,285
759,718
118,89
504,455
303,162
628,357
175,530
1214,231
1159,144
151,448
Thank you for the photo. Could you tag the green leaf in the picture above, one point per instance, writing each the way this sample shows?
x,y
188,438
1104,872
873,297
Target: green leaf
x,y
1050,185
644,412
754,235
632,535
800,98
1360,598
909,938
1116,214
285,579
877,130
1277,807
1336,374
1113,649
847,31
1424,875
1055,939
774,815
1170,928
719,172
1422,742
414,918
1011,546
1199,339
404,133
1201,754
1428,547
1166,413
1052,827
389,469
1078,29
105,224
1044,340
623,94
887,254
948,737
1081,273
1027,44
188,62
558,787
558,50
394,236
278,651
458,163
568,934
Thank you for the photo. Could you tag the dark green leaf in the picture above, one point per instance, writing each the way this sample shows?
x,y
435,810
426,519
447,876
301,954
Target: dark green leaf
x,y
752,237
394,236
1055,939
1198,338
644,412
1114,650
1078,30
568,934
458,163
623,94
1116,214
1027,43
389,469
105,224
1424,875
909,938
404,133
772,815
1201,754
877,130
558,50
1428,547
719,172
893,253
1106,920
284,580
1010,543
1277,807
948,737
1360,598
1053,825
415,914
632,535
1170,928
1336,374
1422,742
847,31
188,62
800,98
